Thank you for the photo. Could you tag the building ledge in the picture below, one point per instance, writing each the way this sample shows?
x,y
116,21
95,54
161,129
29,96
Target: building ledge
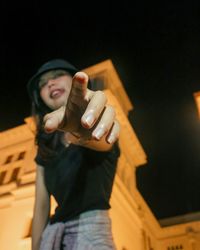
x,y
181,219
7,188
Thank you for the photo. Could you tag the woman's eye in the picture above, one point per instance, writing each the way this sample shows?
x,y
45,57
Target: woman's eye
x,y
42,84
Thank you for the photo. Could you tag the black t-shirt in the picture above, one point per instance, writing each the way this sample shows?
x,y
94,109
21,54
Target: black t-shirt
x,y
80,179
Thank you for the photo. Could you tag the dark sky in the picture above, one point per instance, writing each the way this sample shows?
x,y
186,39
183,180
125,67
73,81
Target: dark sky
x,y
155,48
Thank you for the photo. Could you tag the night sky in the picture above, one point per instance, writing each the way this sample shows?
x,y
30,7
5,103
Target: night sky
x,y
155,49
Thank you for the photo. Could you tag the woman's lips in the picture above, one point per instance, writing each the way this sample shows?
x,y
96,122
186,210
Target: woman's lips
x,y
56,93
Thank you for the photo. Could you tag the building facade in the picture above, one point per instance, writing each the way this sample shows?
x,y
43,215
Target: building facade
x,y
133,223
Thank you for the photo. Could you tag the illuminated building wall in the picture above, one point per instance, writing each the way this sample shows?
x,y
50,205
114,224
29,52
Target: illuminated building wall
x,y
134,225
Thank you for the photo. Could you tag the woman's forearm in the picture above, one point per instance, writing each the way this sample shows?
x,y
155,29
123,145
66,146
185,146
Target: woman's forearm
x,y
41,209
40,220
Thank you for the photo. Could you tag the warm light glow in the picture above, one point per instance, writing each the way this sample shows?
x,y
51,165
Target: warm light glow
x,y
197,100
133,223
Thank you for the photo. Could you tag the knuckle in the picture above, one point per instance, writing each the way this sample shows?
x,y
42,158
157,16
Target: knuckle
x,y
46,117
102,94
112,110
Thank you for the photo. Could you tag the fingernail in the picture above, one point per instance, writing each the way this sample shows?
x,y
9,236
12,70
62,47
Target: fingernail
x,y
99,133
48,125
89,119
111,139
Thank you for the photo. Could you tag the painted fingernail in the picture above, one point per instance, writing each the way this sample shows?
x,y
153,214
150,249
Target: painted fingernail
x,y
48,125
111,139
89,119
99,133
81,77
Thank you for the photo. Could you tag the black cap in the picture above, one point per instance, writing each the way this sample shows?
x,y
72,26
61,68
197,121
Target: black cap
x,y
32,85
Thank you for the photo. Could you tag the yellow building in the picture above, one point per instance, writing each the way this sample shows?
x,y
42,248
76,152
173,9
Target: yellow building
x,y
134,225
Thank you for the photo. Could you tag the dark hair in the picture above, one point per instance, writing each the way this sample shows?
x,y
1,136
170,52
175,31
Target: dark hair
x,y
47,143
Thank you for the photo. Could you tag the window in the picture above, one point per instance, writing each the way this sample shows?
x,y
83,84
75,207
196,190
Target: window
x,y
177,247
8,159
2,177
15,174
21,155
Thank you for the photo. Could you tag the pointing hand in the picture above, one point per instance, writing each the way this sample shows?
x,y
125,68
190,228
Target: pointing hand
x,y
86,114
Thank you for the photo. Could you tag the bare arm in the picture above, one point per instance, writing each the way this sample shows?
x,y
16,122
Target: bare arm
x,y
41,208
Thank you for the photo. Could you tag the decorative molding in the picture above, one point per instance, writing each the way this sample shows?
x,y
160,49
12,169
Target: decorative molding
x,y
7,188
106,71
15,135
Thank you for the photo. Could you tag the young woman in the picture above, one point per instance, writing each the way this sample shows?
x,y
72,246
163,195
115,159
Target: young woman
x,y
76,160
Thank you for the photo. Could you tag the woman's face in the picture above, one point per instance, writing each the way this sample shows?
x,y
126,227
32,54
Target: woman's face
x,y
55,88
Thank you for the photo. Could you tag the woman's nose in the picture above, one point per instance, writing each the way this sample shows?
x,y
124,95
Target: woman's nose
x,y
51,82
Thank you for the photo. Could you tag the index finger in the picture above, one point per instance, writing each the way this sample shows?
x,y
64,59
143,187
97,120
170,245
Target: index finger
x,y
79,84
78,92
